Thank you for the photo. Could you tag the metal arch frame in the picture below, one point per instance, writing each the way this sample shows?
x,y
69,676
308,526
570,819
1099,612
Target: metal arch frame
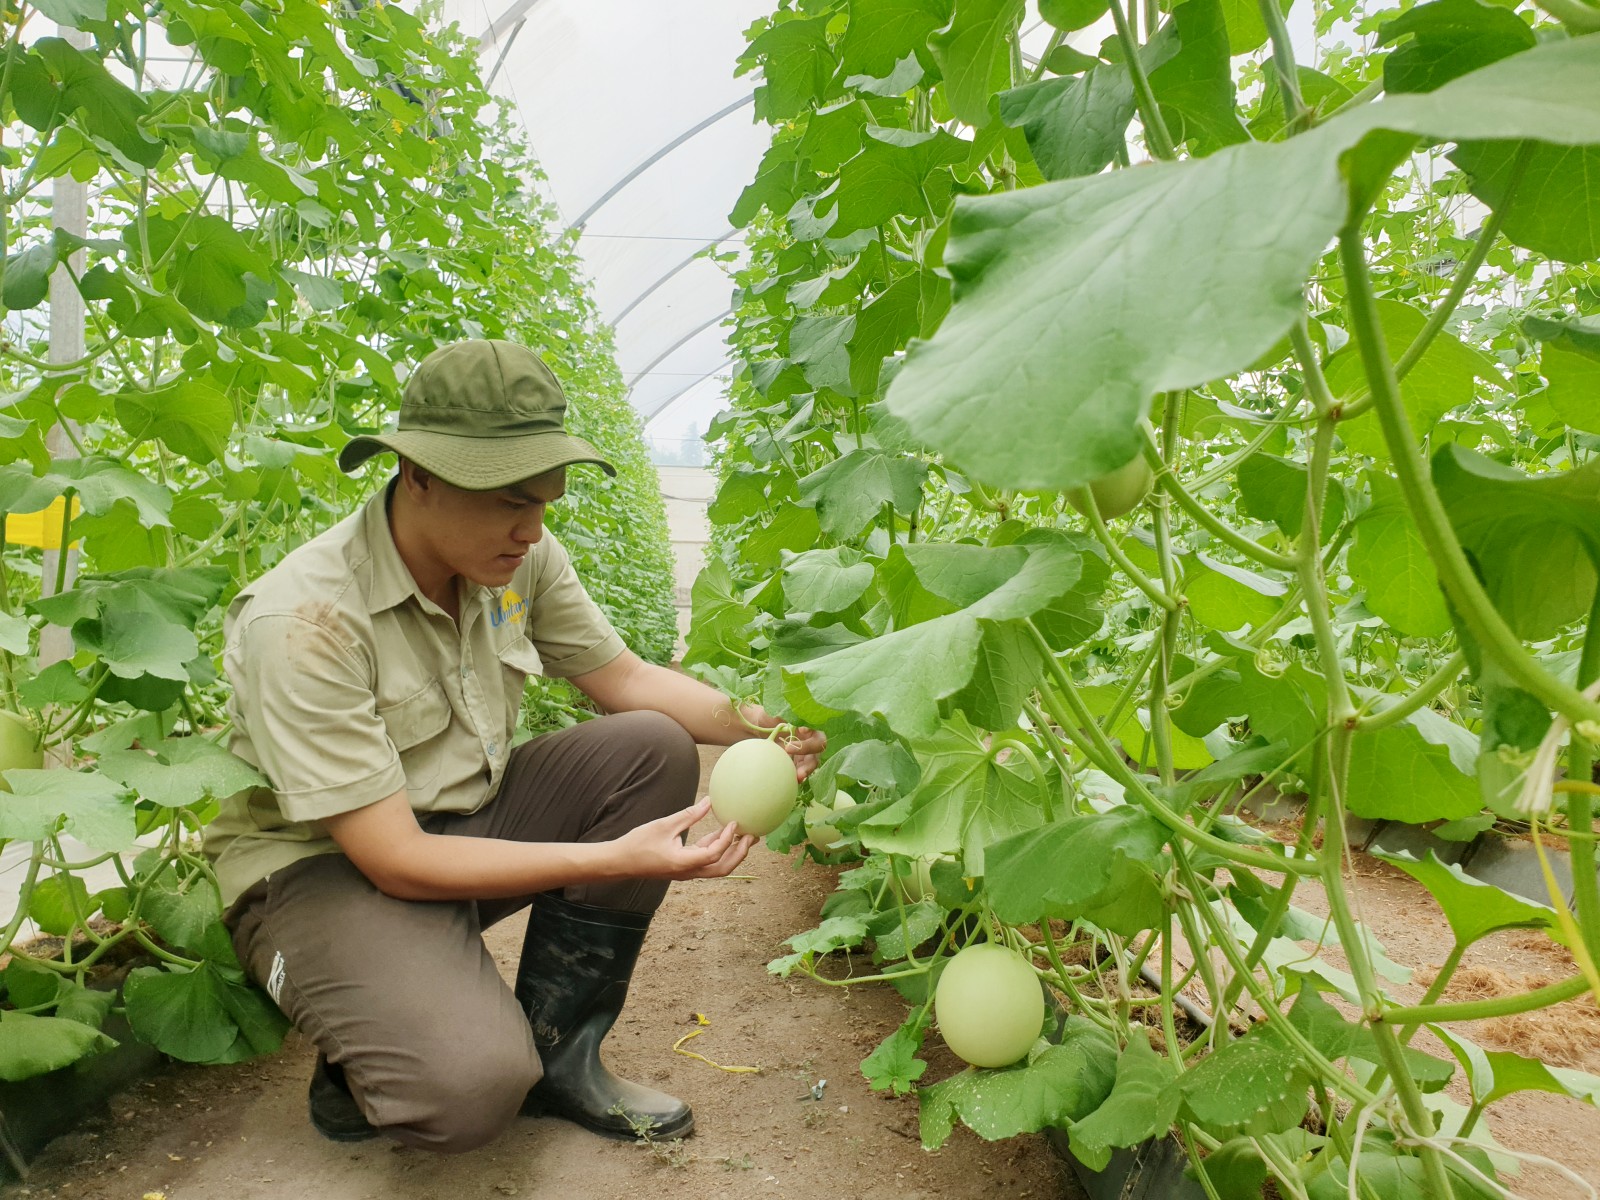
x,y
684,391
649,291
658,156
676,346
510,21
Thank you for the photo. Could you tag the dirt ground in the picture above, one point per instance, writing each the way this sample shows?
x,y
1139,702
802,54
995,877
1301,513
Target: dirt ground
x,y
240,1133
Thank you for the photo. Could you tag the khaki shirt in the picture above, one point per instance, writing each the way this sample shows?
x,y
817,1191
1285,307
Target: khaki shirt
x,y
349,684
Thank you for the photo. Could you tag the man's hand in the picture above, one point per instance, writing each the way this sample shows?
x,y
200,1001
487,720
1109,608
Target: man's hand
x,y
656,850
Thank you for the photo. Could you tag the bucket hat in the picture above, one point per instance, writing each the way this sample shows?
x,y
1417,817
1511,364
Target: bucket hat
x,y
480,414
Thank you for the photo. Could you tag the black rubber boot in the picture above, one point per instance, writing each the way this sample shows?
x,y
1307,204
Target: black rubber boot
x,y
334,1111
571,981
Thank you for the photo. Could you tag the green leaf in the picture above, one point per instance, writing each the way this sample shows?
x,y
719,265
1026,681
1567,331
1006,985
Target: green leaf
x,y
98,482
1254,1085
1495,1074
973,54
1068,15
132,644
1274,489
963,802
797,64
1574,382
58,77
1446,39
190,418
903,676
56,684
882,327
59,904
1555,210
87,1006
851,490
1535,539
1141,1106
187,914
1474,909
29,985
1076,301
835,933
820,347
1247,31
1224,597
894,1066
1419,770
321,292
98,812
898,173
31,1045
213,266
1061,1084
1194,87
15,634
182,772
1101,867
720,626
181,1013
1075,125
1444,378
882,32
1390,560
825,581
75,13
25,276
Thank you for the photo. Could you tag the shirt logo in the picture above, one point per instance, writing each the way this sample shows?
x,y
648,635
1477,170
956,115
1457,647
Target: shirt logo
x,y
512,608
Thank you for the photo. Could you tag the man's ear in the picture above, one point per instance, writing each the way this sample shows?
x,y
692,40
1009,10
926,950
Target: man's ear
x,y
418,481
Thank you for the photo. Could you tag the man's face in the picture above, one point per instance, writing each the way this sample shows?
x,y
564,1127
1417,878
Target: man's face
x,y
484,536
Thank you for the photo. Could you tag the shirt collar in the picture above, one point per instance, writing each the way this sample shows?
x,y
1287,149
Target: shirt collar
x,y
391,580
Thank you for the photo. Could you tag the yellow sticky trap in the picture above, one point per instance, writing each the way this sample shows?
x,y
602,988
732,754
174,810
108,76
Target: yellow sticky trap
x,y
42,529
702,1023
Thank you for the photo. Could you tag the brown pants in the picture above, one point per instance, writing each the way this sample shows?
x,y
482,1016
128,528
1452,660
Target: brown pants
x,y
403,993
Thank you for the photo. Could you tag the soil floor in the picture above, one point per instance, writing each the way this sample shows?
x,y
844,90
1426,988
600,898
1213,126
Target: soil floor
x,y
240,1133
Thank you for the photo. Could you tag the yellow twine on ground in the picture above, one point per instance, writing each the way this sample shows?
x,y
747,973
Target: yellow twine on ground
x,y
703,1022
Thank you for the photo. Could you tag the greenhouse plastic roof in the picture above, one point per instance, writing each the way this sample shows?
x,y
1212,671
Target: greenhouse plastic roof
x,y
647,138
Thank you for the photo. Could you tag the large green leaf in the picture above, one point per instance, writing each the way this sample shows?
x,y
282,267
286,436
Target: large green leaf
x,y
98,482
98,812
1474,909
1061,1084
1274,489
1224,597
1101,866
1077,301
1494,1074
963,802
1444,378
1556,209
31,1045
25,276
1255,1084
1247,30
1417,771
1195,86
719,629
1141,1106
797,64
1448,38
1074,125
54,77
1390,560
897,173
882,32
181,595
133,644
1574,380
1535,539
181,772
853,489
825,581
903,676
974,55
194,1015
192,418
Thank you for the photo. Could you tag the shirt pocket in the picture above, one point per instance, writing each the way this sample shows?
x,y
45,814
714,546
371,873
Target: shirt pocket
x,y
518,660
417,726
